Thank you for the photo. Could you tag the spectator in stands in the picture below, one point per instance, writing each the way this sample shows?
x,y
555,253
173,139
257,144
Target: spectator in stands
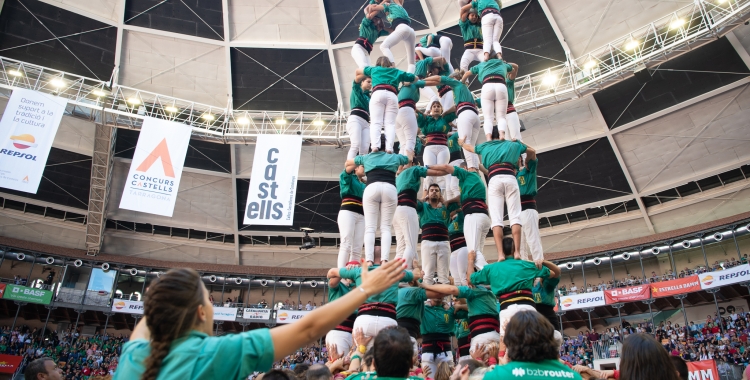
x,y
318,372
643,358
573,288
42,369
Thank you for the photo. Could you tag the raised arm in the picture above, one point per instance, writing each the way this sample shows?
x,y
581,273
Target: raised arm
x,y
441,288
466,146
371,15
359,75
288,338
448,169
466,76
465,10
333,278
432,80
350,166
555,271
530,153
449,110
512,74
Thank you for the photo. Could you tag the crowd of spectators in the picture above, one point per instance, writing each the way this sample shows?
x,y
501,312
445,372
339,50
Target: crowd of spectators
x,y
262,304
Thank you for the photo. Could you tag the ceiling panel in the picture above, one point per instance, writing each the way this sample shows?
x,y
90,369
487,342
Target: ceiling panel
x,y
344,18
290,21
107,9
200,18
562,124
528,38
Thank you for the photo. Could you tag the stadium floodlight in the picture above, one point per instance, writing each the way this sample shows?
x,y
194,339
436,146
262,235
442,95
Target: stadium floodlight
x,y
632,45
243,121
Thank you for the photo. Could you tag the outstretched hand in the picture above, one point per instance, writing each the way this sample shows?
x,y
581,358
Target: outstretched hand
x,y
380,279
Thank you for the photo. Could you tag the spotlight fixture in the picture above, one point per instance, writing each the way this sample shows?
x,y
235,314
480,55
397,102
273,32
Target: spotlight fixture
x,y
280,121
626,256
50,260
677,24
208,117
57,83
549,79
318,123
307,241
21,256
656,250
134,101
15,73
685,244
263,282
171,109
597,261
212,278
632,45
569,266
99,93
243,121
718,236
590,65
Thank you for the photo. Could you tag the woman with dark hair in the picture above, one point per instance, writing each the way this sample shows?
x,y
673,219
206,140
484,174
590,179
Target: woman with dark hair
x,y
173,339
532,351
643,358
393,353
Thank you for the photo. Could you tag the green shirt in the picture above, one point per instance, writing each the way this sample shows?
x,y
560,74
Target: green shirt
x,y
527,179
496,275
437,320
199,356
544,293
429,124
511,85
499,151
462,324
410,303
461,93
381,160
492,67
480,300
388,75
393,11
423,40
424,65
456,225
431,215
544,370
389,295
481,5
350,185
369,31
470,31
359,98
338,291
410,179
453,143
410,92
362,375
469,184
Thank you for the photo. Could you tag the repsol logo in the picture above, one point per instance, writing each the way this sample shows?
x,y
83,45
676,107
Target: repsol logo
x,y
734,275
13,153
587,300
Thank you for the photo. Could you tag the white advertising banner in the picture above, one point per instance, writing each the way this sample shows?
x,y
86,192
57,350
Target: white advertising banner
x,y
289,316
580,301
128,307
154,176
273,184
725,277
251,313
28,127
225,313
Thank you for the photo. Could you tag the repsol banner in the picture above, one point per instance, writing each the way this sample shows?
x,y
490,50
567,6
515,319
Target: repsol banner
x,y
725,277
28,127
580,301
290,316
154,176
128,307
273,182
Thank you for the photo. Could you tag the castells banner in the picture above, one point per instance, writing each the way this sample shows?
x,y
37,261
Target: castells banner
x,y
724,277
273,182
674,287
582,301
156,169
28,127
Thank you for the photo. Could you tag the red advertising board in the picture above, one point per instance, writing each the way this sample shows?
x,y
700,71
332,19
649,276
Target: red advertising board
x,y
629,294
703,370
674,287
2,290
9,363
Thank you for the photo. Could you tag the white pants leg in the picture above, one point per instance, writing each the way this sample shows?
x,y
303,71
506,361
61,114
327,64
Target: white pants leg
x,y
361,56
469,56
459,264
492,29
468,129
447,100
342,339
403,33
484,339
406,129
475,229
432,51
406,227
432,361
359,135
451,183
352,231
436,155
531,241
379,202
436,257
371,325
383,110
514,126
503,190
494,105
446,44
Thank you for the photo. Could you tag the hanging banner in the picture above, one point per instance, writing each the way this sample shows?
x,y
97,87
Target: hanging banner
x,y
28,127
26,294
580,301
703,370
725,277
127,307
289,316
273,184
629,294
155,172
225,313
9,363
251,313
674,287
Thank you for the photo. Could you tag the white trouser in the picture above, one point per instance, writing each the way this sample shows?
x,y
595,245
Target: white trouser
x,y
469,56
494,106
432,360
359,136
371,325
531,241
451,183
458,265
447,100
361,56
379,202
435,155
514,126
406,228
502,190
492,29
484,339
403,33
352,231
432,51
507,313
446,44
342,339
468,129
383,110
476,226
406,129
436,256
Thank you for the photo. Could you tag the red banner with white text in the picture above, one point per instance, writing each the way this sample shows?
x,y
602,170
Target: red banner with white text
x,y
674,287
9,363
629,294
703,370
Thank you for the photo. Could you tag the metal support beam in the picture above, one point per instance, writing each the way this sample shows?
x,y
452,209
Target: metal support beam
x,y
101,175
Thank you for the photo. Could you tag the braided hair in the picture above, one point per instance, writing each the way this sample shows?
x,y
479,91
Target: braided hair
x,y
170,310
